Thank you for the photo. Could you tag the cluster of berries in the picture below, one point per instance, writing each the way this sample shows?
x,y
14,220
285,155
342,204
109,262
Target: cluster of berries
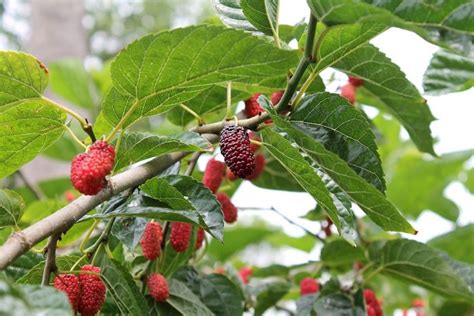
x,y
349,90
88,170
86,292
152,238
372,304
180,236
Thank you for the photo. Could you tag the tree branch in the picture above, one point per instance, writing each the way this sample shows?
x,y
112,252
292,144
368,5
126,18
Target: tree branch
x,y
50,264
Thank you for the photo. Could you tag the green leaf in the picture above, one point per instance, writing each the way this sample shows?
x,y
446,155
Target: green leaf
x,y
455,308
151,212
137,146
32,300
185,301
414,16
419,264
429,179
371,201
469,180
204,201
339,303
159,71
448,73
28,123
11,208
269,295
276,177
338,252
305,305
216,291
163,191
129,230
35,274
237,239
122,287
384,81
339,41
23,264
262,14
231,14
455,243
289,157
70,80
270,271
342,129
305,243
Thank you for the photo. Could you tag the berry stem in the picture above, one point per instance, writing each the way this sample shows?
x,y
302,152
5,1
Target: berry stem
x,y
102,238
122,121
74,137
197,116
88,235
228,114
83,121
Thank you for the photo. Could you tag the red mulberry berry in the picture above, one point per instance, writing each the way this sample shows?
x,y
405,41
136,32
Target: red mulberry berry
x,y
309,286
245,274
252,107
88,170
418,303
253,146
158,287
348,91
276,96
356,82
260,163
69,284
180,236
92,291
370,311
213,174
151,240
69,196
235,147
372,302
228,208
199,238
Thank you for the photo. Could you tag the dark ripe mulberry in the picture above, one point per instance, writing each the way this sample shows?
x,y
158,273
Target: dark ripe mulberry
x,y
235,147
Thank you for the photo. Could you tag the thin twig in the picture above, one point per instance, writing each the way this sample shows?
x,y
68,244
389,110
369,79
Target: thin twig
x,y
36,190
50,264
289,220
192,163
